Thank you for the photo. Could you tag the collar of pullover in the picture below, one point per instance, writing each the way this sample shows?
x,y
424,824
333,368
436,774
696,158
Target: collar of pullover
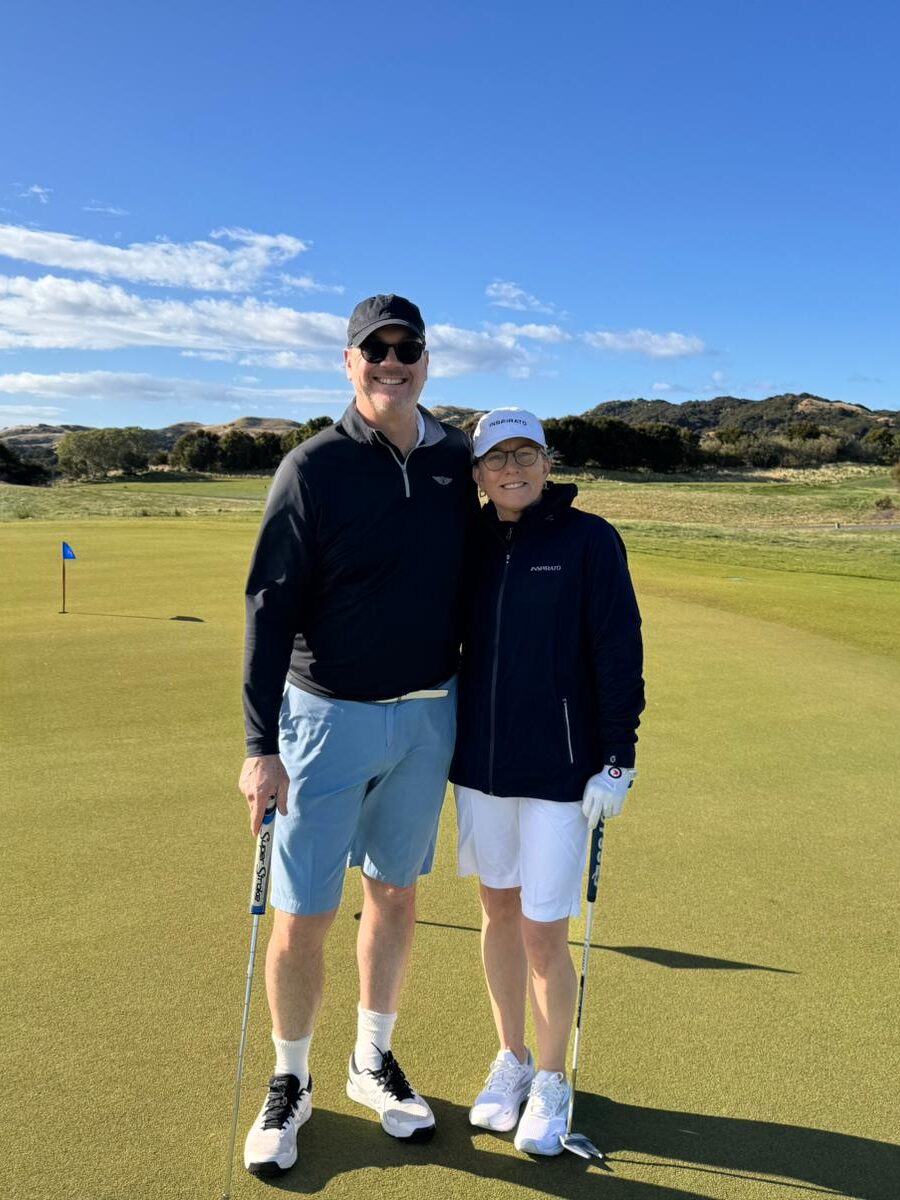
x,y
556,499
361,431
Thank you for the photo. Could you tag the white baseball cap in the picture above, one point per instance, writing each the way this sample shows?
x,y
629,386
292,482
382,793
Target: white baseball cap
x,y
502,423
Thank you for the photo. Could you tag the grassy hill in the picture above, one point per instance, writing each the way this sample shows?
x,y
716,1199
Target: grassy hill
x,y
771,415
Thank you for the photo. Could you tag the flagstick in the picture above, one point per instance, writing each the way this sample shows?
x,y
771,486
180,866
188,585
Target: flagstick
x,y
63,609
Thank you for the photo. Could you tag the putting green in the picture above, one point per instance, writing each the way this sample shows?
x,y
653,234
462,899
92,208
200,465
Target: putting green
x,y
740,1036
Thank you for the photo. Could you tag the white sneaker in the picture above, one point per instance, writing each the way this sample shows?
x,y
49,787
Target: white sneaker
x,y
544,1118
271,1145
505,1090
404,1114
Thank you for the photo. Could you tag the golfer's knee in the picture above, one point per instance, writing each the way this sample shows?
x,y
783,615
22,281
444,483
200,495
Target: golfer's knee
x,y
388,898
546,944
501,904
300,936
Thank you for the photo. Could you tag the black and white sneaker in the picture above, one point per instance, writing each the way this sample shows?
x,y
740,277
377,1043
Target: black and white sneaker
x,y
404,1114
271,1145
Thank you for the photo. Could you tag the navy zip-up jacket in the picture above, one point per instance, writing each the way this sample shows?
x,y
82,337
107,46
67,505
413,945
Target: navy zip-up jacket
x,y
551,686
355,584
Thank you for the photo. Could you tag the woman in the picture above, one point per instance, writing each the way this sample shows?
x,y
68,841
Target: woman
x,y
550,695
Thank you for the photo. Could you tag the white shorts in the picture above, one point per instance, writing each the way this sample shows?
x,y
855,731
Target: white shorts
x,y
539,846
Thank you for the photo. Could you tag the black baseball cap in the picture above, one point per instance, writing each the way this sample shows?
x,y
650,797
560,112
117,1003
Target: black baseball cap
x,y
378,311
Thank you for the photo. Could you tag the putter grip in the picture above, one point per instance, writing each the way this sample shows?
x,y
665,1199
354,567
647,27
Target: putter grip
x,y
259,889
594,861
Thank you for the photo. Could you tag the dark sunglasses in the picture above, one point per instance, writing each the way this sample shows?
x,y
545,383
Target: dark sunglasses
x,y
374,350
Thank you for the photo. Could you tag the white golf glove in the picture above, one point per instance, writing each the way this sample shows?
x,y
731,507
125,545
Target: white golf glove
x,y
604,794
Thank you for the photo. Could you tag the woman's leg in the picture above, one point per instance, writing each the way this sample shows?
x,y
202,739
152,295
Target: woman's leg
x,y
553,988
505,966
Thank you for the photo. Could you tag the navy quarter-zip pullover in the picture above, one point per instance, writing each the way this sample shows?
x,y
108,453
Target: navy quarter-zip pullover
x,y
551,686
354,589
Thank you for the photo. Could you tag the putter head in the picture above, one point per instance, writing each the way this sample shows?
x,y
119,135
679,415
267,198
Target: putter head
x,y
580,1145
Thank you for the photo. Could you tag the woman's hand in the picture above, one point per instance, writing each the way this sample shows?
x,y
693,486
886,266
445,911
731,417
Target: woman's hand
x,y
604,794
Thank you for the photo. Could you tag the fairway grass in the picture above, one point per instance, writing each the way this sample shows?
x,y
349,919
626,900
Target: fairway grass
x,y
740,1031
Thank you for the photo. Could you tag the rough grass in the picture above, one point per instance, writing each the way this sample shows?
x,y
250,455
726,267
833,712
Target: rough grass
x,y
820,498
755,500
739,1032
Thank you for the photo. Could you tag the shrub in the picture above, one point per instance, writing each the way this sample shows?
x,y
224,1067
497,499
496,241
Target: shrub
x,y
883,444
237,451
267,451
730,435
14,469
294,437
196,451
799,431
93,453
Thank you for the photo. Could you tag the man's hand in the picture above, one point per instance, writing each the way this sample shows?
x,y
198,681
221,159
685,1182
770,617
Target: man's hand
x,y
604,794
263,779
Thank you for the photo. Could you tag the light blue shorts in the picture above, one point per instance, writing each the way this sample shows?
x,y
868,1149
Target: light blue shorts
x,y
367,785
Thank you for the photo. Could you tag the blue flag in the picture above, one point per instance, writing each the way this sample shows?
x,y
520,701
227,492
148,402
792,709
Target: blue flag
x,y
67,551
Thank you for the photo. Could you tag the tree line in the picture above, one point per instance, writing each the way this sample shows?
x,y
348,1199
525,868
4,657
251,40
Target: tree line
x,y
604,443
94,453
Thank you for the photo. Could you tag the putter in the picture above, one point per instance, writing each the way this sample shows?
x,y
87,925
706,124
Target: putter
x,y
259,891
577,1142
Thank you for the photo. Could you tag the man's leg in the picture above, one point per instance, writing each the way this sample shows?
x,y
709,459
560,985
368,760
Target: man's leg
x,y
294,979
295,972
385,938
394,845
382,948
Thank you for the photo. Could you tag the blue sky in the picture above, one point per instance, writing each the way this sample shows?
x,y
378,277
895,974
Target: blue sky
x,y
589,201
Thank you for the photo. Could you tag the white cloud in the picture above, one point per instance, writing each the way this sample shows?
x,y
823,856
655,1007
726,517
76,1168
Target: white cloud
x,y
643,341
505,294
550,334
718,378
210,355
99,207
467,352
55,313
36,192
28,412
201,265
290,360
671,387
124,387
306,283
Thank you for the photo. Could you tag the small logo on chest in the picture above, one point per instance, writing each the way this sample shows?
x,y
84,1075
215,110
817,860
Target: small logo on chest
x,y
548,567
444,479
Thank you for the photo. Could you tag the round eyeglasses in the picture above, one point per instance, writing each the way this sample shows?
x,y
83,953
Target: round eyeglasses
x,y
525,456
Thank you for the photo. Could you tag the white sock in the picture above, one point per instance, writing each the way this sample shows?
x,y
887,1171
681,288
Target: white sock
x,y
292,1058
373,1038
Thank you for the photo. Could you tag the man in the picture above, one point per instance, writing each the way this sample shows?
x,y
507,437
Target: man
x,y
353,599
